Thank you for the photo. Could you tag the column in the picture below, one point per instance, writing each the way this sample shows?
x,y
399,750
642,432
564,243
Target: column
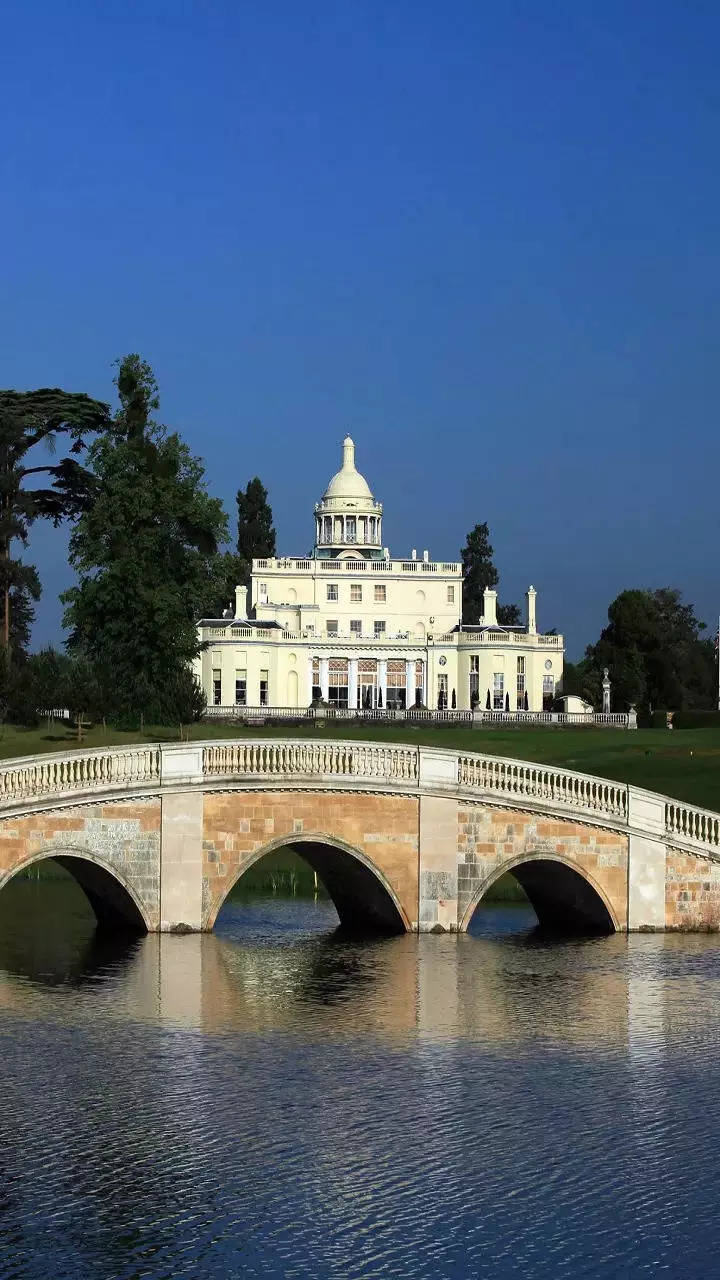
x,y
352,683
382,680
409,683
325,679
310,679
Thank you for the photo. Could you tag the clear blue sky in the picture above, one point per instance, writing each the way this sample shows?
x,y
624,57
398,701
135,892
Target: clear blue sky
x,y
481,237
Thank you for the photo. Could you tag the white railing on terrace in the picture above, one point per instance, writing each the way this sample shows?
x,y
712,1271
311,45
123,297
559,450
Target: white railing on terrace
x,y
76,776
610,720
320,566
235,630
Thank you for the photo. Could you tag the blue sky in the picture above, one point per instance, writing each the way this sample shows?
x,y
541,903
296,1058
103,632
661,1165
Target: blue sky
x,y
483,238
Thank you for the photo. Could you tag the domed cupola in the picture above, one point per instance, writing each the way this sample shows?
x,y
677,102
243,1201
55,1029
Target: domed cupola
x,y
347,515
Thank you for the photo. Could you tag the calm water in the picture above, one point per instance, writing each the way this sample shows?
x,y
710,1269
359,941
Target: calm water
x,y
275,1101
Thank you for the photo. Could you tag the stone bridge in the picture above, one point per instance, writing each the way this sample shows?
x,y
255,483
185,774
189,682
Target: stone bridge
x,y
404,838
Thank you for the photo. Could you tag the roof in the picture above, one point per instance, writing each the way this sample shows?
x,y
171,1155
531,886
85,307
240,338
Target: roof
x,y
347,482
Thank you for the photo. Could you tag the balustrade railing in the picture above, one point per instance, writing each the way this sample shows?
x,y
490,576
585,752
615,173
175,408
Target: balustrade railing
x,y
133,768
78,771
700,827
311,760
515,778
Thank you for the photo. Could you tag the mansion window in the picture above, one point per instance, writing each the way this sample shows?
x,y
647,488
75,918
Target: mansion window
x,y
338,682
316,686
356,592
350,529
331,626
474,680
498,691
396,684
521,689
442,698
241,688
548,692
451,595
264,688
217,687
356,627
367,683
332,591
379,628
380,593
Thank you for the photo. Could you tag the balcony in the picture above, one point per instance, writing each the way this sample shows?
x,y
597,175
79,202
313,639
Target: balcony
x,y
319,567
460,639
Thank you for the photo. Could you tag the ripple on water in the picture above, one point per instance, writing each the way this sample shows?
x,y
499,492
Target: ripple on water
x,y
280,1100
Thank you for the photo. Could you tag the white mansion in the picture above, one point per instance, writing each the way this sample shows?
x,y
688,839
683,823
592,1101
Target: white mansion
x,y
352,627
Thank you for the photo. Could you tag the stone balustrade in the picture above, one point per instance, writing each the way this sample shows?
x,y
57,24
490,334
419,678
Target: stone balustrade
x,y
698,827
40,781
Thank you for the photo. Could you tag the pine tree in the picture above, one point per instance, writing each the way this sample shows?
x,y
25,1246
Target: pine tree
x,y
143,552
255,532
479,572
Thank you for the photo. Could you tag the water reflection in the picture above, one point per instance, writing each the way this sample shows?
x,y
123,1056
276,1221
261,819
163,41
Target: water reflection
x,y
280,1099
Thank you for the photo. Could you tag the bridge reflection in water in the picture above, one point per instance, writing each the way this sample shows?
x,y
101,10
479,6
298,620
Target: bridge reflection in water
x,y
283,965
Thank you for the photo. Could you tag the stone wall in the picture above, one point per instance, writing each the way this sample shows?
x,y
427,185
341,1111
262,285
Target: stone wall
x,y
434,853
238,825
491,839
123,836
692,892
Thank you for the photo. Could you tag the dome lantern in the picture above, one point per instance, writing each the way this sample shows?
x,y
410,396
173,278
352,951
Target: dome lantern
x,y
347,514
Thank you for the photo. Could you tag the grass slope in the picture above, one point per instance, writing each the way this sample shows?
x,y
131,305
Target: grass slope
x,y
683,763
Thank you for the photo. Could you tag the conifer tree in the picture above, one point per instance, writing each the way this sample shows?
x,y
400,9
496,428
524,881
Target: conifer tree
x,y
29,419
256,535
479,572
143,553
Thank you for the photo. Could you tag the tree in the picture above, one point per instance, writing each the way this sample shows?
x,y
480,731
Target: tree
x,y
27,419
654,651
42,686
479,572
255,532
79,691
142,552
508,615
225,573
24,590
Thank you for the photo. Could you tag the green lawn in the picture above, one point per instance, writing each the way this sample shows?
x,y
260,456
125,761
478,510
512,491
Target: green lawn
x,y
683,763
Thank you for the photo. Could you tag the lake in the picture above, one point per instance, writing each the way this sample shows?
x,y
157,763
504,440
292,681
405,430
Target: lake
x,y
276,1099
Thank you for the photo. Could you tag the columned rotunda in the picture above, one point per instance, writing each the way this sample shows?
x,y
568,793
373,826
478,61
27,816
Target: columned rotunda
x,y
351,627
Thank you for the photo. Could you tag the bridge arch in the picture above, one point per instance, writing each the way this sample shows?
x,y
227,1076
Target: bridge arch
x,y
564,895
360,892
112,899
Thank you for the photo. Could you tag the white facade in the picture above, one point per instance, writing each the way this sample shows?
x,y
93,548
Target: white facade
x,y
356,629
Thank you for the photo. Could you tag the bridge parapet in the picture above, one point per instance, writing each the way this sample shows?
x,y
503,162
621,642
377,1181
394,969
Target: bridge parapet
x,y
38,782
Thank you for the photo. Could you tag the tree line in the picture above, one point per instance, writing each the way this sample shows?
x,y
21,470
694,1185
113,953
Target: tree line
x,y
148,546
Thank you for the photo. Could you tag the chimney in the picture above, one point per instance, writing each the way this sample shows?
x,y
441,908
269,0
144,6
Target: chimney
x,y
426,557
490,607
241,602
414,554
530,595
